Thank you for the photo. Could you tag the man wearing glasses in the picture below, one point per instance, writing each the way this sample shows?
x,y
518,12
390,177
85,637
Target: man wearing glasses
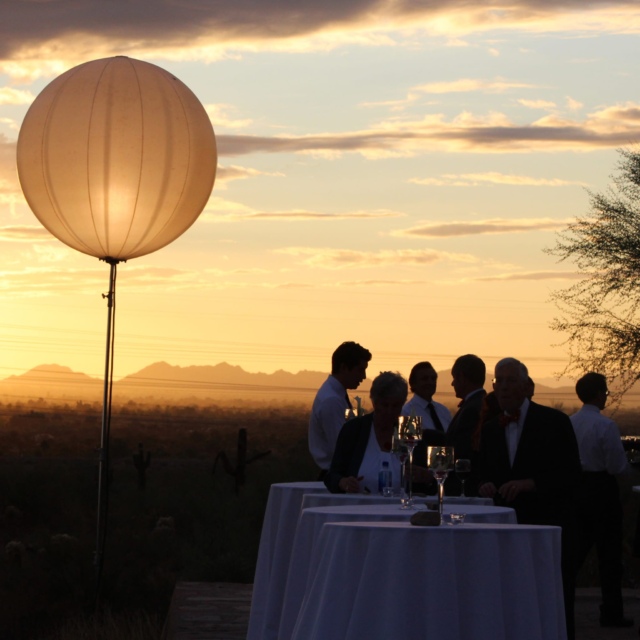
x,y
599,507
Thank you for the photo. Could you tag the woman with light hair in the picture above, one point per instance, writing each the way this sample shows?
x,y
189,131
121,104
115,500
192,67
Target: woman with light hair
x,y
365,442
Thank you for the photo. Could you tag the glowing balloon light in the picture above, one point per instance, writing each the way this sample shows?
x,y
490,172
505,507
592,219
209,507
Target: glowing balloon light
x,y
117,158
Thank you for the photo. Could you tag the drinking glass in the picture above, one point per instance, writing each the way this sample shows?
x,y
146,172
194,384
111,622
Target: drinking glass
x,y
463,471
399,450
410,433
440,461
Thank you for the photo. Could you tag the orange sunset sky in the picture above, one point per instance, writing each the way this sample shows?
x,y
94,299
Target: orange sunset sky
x,y
389,172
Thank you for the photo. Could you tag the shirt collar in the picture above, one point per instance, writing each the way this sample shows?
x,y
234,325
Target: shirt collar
x,y
472,393
591,408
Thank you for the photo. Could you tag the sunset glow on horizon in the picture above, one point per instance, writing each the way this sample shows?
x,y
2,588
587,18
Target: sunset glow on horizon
x,y
388,173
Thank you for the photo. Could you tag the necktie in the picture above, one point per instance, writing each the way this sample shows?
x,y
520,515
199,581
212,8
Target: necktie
x,y
434,416
346,397
507,418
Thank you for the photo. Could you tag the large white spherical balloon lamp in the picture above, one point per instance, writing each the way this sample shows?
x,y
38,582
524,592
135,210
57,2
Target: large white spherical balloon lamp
x,y
116,158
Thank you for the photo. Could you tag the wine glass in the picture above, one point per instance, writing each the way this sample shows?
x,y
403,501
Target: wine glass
x,y
440,461
463,471
399,450
409,434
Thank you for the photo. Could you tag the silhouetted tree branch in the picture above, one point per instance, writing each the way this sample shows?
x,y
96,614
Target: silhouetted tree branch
x,y
600,313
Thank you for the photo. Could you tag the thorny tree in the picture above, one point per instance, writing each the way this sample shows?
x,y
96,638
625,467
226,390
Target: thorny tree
x,y
600,314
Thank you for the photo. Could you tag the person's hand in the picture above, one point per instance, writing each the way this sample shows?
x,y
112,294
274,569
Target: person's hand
x,y
350,484
487,490
422,475
510,490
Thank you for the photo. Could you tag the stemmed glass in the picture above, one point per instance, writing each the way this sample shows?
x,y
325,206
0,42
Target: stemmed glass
x,y
399,450
463,471
410,434
440,461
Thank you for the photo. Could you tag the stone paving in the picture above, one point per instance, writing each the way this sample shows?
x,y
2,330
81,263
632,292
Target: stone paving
x,y
220,611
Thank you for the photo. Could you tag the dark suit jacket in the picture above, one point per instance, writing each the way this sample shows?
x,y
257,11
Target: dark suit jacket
x,y
547,453
349,452
464,423
460,436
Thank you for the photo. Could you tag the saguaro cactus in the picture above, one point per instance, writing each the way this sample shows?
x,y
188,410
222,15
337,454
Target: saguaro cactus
x,y
141,462
239,471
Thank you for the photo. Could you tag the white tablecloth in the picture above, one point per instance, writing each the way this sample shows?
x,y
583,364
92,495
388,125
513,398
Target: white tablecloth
x,y
310,525
276,539
391,580
335,499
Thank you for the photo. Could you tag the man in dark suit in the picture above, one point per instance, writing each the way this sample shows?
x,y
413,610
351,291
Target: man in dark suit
x,y
529,461
468,373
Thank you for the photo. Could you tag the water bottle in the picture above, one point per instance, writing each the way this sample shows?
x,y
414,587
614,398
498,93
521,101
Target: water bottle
x,y
385,486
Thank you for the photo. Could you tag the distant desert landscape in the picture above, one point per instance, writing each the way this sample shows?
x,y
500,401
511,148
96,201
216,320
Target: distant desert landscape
x,y
163,383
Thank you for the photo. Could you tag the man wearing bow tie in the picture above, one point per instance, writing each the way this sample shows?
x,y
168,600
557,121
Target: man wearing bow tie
x,y
529,461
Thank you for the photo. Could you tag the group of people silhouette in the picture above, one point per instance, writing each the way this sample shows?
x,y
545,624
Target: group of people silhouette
x,y
550,468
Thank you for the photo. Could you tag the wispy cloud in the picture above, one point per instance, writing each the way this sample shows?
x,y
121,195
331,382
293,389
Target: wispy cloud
x,y
327,258
222,115
573,105
316,215
9,95
480,227
469,85
48,279
537,104
39,39
492,177
462,85
533,275
25,233
220,210
232,172
613,126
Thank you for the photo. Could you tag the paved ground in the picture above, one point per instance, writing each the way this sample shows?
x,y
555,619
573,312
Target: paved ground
x,y
587,613
220,611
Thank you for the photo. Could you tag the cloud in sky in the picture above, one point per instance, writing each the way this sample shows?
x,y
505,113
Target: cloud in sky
x,y
466,85
492,177
225,174
48,279
63,32
461,85
223,116
9,95
612,126
327,258
537,104
25,233
220,210
455,229
533,275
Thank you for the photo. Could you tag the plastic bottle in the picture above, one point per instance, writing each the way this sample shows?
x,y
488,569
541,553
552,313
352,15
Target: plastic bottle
x,y
384,479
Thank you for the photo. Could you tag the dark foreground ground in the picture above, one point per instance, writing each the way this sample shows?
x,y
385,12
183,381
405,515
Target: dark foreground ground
x,y
220,611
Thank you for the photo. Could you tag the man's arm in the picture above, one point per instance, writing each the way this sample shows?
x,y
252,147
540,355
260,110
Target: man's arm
x,y
331,414
614,454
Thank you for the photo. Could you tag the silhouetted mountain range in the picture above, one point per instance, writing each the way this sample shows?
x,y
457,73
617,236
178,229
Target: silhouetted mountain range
x,y
162,383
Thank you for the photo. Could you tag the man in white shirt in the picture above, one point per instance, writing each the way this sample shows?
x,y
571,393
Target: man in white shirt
x,y
602,458
423,381
348,369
